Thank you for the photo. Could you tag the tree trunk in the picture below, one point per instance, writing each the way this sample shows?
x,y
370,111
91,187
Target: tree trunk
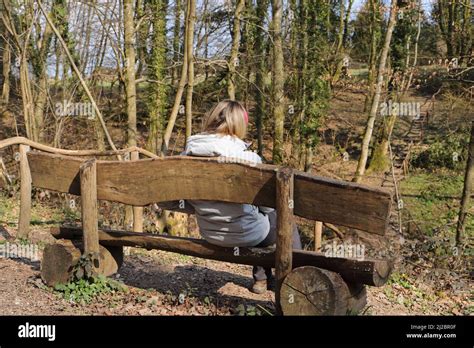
x,y
142,35
301,97
207,23
466,39
372,55
84,57
190,63
60,17
99,134
308,159
346,23
27,99
454,19
6,62
130,72
179,94
278,82
157,96
380,161
415,53
130,86
452,27
42,75
378,89
40,104
340,38
262,7
59,58
247,44
234,52
467,192
176,38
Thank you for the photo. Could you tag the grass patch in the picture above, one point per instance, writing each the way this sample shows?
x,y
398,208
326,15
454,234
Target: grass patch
x,y
359,73
432,201
430,212
440,184
7,207
401,279
42,213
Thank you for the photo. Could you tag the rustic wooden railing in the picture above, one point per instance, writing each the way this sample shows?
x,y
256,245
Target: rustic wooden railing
x,y
26,144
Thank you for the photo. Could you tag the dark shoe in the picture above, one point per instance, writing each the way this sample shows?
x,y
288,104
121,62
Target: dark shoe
x,y
271,283
259,287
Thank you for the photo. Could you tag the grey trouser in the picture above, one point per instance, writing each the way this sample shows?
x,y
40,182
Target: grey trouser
x,y
259,272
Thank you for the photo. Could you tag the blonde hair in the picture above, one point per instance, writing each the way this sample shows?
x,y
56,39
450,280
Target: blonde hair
x,y
227,118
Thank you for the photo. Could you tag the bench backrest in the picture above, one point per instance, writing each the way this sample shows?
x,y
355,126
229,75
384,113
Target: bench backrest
x,y
148,181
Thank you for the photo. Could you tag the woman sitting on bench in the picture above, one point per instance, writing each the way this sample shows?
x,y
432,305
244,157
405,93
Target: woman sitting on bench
x,y
233,224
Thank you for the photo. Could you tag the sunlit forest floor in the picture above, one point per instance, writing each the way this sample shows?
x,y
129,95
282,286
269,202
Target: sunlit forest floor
x,y
160,283
430,276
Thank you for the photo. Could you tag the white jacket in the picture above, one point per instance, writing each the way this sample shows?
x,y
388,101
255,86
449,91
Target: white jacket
x,y
221,223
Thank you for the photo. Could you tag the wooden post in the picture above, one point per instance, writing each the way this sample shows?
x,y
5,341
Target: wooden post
x,y
25,193
284,247
137,211
318,232
90,225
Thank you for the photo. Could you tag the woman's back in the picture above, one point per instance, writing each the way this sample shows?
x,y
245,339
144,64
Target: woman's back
x,y
221,223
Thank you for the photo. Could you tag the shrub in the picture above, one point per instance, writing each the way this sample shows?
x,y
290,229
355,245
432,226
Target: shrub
x,y
448,153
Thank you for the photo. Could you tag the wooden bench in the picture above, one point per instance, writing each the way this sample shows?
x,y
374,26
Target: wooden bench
x,y
308,283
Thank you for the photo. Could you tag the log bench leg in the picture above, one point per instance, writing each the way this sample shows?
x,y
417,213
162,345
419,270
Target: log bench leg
x,y
284,248
90,224
59,259
310,290
357,298
137,211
